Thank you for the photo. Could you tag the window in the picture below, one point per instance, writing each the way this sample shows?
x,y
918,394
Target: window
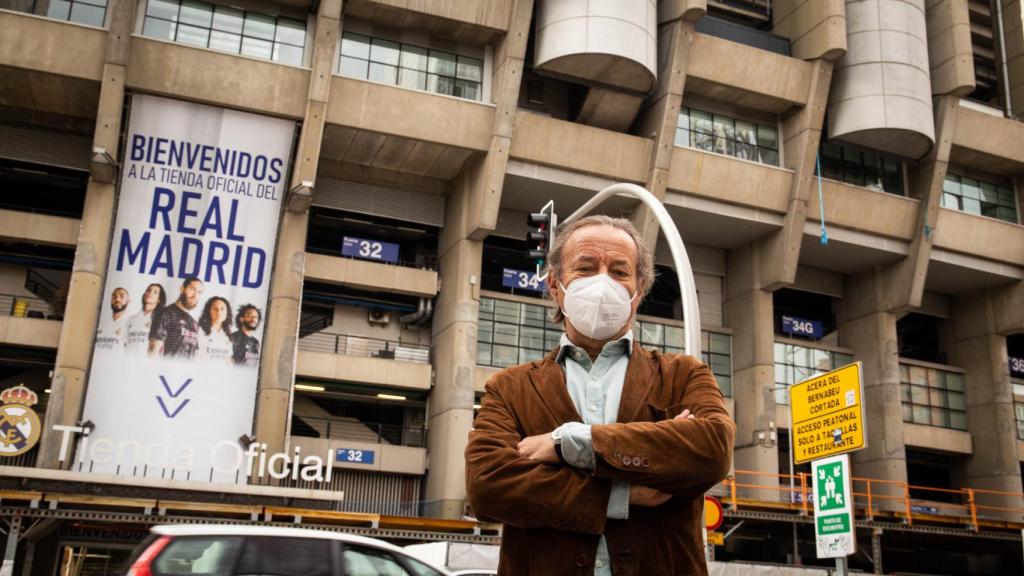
x,y
976,197
794,364
410,66
1018,405
861,168
267,556
716,349
194,556
724,135
511,333
226,29
366,561
91,12
933,397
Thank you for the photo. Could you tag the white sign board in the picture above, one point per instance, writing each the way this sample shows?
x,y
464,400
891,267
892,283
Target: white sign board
x,y
834,532
175,364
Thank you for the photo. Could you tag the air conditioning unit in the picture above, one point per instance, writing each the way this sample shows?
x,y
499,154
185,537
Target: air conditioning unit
x,y
382,317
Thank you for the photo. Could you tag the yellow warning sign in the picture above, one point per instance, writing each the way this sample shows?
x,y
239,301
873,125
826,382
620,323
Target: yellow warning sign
x,y
827,414
716,538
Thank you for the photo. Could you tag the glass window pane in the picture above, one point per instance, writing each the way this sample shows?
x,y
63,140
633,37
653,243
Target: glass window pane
x,y
486,308
724,127
504,356
905,392
958,420
724,146
228,19
355,45
259,26
703,141
832,161
196,13
840,360
908,413
203,555
384,51
86,14
720,364
383,73
720,343
530,354
955,381
414,58
904,373
674,336
469,69
940,417
531,337
440,84
989,193
353,67
971,205
166,9
506,334
682,137
225,41
193,35
1006,198
371,562
780,353
156,28
483,355
918,375
257,48
956,401
505,311
1007,214
970,188
532,315
551,339
746,152
724,384
683,121
922,415
770,157
892,177
937,398
746,132
951,201
441,63
288,54
919,395
701,122
485,332
768,137
651,333
291,31
853,172
951,184
467,89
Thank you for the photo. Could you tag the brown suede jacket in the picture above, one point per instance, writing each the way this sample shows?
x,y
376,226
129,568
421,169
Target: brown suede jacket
x,y
554,514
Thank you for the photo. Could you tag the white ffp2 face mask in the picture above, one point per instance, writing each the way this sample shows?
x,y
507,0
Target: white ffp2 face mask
x,y
597,306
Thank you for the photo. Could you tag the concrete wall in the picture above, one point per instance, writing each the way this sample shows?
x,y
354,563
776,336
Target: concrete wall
x,y
31,332
729,179
363,370
352,320
45,45
41,228
984,237
937,439
365,275
950,52
815,28
866,210
387,458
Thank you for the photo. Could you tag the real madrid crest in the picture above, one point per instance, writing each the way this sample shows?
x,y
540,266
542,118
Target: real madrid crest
x,y
19,424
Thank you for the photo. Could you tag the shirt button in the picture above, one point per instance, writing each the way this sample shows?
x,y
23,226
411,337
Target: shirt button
x,y
626,460
581,560
593,378
581,464
593,407
599,564
636,461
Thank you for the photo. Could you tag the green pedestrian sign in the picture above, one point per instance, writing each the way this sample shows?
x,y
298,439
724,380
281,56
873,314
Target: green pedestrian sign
x,y
833,507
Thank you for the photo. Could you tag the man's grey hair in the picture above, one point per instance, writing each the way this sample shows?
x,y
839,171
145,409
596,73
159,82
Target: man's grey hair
x,y
644,257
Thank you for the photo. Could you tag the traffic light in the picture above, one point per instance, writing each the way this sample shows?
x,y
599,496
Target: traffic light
x,y
541,237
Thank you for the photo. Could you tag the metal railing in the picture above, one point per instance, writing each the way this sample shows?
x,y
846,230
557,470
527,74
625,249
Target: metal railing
x,y
355,430
875,497
26,307
350,345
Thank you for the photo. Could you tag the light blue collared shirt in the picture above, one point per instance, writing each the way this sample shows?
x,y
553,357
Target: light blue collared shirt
x,y
595,388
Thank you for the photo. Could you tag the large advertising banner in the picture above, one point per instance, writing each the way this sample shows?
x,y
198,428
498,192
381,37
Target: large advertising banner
x,y
172,386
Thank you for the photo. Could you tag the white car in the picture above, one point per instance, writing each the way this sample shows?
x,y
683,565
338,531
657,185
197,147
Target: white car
x,y
223,550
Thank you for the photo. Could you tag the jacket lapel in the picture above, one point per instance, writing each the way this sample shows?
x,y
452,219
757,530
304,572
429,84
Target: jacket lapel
x,y
639,379
548,380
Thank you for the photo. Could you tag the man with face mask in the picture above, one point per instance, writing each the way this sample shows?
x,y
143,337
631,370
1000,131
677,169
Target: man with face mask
x,y
597,457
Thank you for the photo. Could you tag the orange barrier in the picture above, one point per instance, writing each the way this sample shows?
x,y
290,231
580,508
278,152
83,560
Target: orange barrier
x,y
874,497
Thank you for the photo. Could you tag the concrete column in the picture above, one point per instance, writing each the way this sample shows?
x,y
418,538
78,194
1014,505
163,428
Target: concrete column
x,y
802,134
869,328
1013,31
748,311
660,115
277,360
472,213
976,346
74,352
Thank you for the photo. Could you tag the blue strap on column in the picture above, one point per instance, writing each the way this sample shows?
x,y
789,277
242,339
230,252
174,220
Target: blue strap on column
x,y
821,204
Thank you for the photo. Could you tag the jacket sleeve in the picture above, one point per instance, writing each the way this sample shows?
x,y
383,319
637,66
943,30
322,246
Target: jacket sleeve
x,y
678,457
505,487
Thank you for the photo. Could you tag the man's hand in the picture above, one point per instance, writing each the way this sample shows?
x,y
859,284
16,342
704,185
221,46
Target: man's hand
x,y
684,415
647,497
540,447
